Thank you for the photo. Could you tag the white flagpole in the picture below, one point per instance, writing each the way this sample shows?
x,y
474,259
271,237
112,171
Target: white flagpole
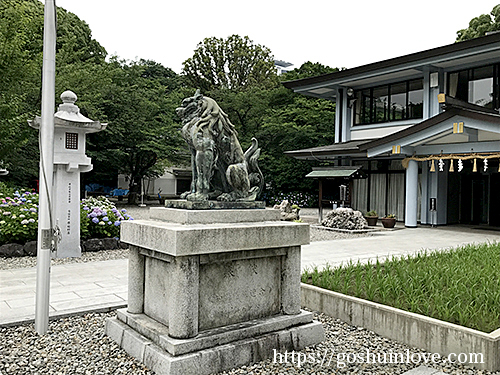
x,y
45,227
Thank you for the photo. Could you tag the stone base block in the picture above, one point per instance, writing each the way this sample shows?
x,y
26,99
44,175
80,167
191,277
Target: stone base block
x,y
214,205
181,216
217,355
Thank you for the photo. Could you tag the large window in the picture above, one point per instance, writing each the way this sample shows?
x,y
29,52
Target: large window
x,y
476,86
395,102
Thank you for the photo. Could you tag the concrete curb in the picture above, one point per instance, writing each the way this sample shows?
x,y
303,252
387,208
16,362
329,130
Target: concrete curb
x,y
423,370
105,307
412,329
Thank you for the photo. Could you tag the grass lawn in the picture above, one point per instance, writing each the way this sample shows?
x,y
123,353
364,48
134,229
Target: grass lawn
x,y
460,286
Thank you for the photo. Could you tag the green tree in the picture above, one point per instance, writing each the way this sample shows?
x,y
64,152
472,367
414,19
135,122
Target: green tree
x,y
133,97
142,136
21,46
281,120
293,122
480,25
20,64
307,69
234,63
74,41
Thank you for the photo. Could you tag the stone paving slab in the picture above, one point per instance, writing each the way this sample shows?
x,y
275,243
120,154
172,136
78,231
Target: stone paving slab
x,y
74,288
385,244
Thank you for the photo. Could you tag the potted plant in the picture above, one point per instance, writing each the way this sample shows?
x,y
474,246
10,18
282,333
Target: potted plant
x,y
389,221
372,218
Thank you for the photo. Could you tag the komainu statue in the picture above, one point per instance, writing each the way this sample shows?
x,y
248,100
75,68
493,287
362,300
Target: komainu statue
x,y
220,168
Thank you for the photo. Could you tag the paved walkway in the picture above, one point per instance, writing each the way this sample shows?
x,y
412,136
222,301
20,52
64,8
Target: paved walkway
x,y
397,242
102,286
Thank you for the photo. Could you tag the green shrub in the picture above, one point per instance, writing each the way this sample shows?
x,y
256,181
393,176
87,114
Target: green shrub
x,y
99,218
300,199
18,216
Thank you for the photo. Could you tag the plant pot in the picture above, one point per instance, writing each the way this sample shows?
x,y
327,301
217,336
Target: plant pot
x,y
388,222
372,220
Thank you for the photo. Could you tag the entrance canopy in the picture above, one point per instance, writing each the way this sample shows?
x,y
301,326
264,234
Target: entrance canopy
x,y
337,172
350,148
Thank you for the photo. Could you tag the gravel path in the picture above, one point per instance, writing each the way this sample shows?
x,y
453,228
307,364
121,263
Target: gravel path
x,y
78,345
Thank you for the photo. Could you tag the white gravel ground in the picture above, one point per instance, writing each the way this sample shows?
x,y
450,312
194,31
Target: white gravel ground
x,y
78,345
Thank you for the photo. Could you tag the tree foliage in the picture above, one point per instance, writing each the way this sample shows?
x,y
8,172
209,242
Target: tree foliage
x,y
138,99
142,136
308,69
20,64
234,63
480,25
293,122
133,97
21,54
281,120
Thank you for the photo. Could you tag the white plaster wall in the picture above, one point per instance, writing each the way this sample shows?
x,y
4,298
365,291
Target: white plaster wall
x,y
167,184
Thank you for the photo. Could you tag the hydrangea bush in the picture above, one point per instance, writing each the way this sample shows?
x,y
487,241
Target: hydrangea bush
x,y
18,216
99,217
301,199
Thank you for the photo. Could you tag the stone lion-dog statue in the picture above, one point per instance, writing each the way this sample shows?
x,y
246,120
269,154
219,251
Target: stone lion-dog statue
x,y
220,168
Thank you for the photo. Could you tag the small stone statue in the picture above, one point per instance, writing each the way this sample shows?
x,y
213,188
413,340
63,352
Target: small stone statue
x,y
289,212
220,168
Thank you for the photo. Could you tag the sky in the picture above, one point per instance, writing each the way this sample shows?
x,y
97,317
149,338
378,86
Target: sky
x,y
336,33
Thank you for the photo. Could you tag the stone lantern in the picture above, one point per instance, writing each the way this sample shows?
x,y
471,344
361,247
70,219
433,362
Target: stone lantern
x,y
70,128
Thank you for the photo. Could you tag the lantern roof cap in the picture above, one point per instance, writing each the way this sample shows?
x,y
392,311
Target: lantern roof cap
x,y
69,116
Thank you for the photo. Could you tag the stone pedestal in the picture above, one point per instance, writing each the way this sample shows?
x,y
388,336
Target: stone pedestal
x,y
210,290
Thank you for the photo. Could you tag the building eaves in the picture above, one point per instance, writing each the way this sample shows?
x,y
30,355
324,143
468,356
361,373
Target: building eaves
x,y
338,149
394,62
334,172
